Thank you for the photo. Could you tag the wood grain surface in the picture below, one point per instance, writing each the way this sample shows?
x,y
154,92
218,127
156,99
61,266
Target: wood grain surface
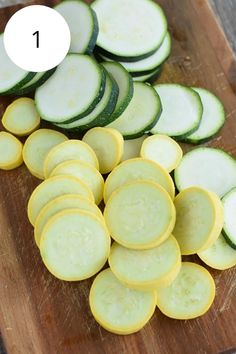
x,y
42,315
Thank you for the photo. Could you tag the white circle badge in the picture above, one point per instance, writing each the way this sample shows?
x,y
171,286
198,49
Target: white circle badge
x,y
37,38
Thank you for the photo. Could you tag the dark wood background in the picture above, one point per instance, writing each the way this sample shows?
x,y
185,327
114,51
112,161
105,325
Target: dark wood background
x,y
213,67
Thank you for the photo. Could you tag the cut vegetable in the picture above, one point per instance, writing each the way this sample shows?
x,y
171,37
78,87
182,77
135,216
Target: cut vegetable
x,y
220,255
132,148
146,269
181,111
150,77
21,117
213,117
117,308
163,150
134,36
74,245
141,114
38,80
69,150
37,147
108,147
68,201
86,173
229,230
209,168
190,295
199,219
134,169
52,188
83,24
140,215
73,91
10,151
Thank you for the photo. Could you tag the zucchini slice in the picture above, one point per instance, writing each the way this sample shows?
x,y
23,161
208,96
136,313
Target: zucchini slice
x,y
10,151
190,295
108,147
135,36
141,169
36,148
132,148
52,188
141,114
181,111
21,117
150,77
68,95
163,150
87,173
125,84
74,245
146,269
118,309
199,219
69,150
209,168
229,229
68,201
83,24
220,255
213,117
36,81
140,215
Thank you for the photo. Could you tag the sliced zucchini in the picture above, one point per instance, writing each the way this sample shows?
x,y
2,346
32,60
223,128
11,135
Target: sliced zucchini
x,y
83,24
68,201
117,308
87,173
141,169
102,113
163,150
21,117
125,84
140,215
10,151
229,229
181,111
36,148
38,80
132,148
220,255
146,269
209,168
74,245
199,219
108,147
141,114
190,295
73,91
131,37
213,117
150,77
52,188
70,150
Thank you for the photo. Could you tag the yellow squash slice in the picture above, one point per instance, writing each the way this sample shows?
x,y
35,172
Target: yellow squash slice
x,y
132,148
10,151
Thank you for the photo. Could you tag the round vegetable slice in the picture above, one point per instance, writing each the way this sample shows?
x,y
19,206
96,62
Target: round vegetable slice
x,y
163,150
220,255
36,148
38,80
209,168
117,308
52,188
69,150
146,269
138,169
108,147
21,117
86,173
132,148
10,151
199,219
68,201
140,215
74,245
229,229
190,295
149,77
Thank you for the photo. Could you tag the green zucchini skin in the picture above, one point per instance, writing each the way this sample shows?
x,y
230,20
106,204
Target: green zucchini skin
x,y
17,87
94,37
31,88
228,240
121,58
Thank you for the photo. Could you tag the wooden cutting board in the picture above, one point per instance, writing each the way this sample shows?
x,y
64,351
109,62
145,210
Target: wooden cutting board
x,y
40,314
